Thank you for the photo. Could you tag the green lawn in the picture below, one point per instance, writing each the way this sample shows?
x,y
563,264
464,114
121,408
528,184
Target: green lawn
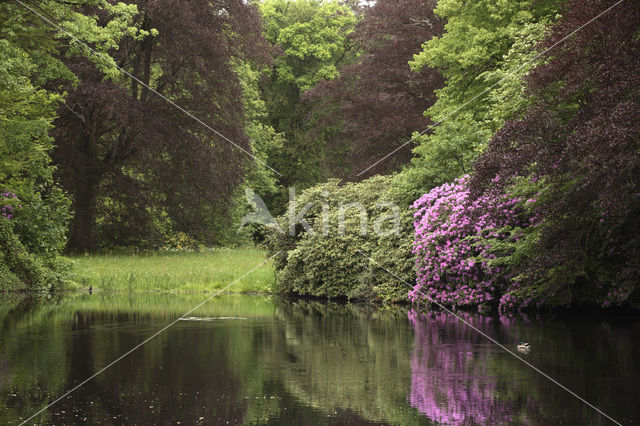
x,y
184,272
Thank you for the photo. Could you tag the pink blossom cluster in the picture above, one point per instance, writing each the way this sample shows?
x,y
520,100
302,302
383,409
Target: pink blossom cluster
x,y
617,294
453,238
8,201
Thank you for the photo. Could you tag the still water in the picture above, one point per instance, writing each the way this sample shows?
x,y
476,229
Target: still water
x,y
258,360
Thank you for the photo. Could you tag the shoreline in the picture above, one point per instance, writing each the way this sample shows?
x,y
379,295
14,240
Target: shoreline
x,y
587,312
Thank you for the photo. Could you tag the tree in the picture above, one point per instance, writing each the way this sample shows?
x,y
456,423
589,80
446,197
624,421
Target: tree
x,y
312,36
576,148
484,54
378,101
137,161
32,79
265,141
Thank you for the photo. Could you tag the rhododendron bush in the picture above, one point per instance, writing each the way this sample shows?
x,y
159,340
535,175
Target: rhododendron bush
x,y
581,136
480,251
460,242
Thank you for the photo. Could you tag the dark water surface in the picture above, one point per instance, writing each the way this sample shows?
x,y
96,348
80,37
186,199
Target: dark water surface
x,y
302,362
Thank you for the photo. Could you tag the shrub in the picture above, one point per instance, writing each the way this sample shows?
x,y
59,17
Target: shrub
x,y
41,221
580,138
342,261
181,241
457,242
603,271
22,270
482,250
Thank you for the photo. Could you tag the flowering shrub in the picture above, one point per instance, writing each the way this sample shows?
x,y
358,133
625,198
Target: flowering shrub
x,y
456,241
8,202
585,144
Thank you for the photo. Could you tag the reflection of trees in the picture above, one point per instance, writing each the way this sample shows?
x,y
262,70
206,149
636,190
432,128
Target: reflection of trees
x,y
49,345
302,361
220,371
458,377
32,353
349,357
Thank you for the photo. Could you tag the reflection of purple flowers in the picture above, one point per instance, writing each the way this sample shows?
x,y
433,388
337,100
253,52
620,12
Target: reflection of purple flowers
x,y
8,202
450,381
453,243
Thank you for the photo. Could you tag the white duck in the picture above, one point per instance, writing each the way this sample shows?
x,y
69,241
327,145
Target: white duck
x,y
523,347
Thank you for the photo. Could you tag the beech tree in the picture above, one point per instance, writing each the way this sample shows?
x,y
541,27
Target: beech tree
x,y
378,101
486,49
139,162
312,42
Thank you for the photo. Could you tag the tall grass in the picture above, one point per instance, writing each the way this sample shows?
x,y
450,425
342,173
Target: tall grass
x,y
182,272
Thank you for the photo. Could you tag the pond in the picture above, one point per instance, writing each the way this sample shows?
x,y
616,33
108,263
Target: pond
x,y
256,360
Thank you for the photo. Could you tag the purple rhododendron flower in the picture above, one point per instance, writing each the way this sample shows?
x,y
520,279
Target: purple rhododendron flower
x,y
7,201
452,231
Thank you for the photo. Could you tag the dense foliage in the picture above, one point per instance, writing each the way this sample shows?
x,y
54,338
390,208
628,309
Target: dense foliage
x,y
566,229
515,124
22,269
138,166
485,51
548,217
311,38
33,229
378,101
578,148
373,105
346,245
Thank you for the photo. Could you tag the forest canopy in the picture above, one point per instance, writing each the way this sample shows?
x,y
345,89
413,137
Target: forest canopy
x,y
502,135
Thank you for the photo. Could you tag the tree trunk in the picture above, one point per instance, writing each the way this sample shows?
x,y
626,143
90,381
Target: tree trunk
x,y
86,183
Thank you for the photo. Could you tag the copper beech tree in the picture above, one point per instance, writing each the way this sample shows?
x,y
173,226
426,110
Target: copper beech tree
x,y
133,157
378,101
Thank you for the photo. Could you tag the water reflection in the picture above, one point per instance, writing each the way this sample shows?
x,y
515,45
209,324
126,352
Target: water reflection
x,y
459,377
451,380
303,362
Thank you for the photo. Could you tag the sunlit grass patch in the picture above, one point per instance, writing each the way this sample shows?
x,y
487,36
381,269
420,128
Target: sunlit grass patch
x,y
187,272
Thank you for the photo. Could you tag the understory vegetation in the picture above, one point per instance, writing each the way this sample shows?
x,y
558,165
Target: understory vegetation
x,y
480,156
529,178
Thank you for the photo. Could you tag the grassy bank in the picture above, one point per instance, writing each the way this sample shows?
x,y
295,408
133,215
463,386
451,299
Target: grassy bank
x,y
184,272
